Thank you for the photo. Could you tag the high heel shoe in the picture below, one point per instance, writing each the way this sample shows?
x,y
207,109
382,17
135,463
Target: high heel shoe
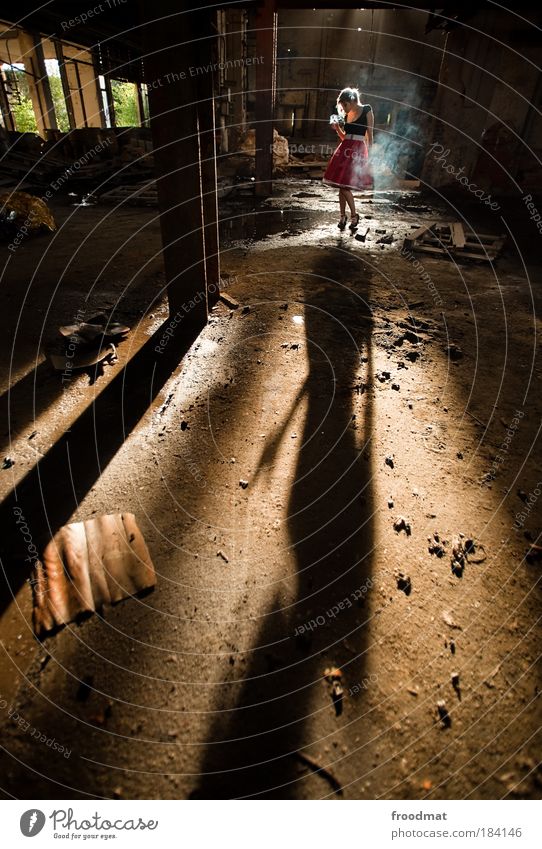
x,y
354,222
342,222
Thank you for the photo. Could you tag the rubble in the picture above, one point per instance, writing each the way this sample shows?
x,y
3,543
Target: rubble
x,y
443,714
89,564
401,524
452,242
404,583
334,676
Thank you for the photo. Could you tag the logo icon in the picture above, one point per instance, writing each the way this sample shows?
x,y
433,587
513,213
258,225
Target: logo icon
x,y
32,822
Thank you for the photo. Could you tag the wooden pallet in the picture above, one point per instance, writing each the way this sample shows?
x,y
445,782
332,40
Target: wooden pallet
x,y
145,194
451,240
138,194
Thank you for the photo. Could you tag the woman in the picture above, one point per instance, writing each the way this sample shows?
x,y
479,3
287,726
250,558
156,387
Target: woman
x,y
348,167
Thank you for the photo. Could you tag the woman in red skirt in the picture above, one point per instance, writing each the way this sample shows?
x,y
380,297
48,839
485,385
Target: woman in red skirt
x,y
348,168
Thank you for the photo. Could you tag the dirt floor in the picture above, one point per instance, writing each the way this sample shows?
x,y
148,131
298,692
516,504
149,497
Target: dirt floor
x,y
368,446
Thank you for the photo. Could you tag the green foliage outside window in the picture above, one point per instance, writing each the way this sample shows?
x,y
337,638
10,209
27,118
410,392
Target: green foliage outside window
x,y
125,103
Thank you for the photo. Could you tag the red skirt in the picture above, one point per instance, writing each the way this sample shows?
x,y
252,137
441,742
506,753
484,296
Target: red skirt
x,y
348,168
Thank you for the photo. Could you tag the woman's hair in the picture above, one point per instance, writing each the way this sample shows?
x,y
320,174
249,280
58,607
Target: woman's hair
x,y
350,95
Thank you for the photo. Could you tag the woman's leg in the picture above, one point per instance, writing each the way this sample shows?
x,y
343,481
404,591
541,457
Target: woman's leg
x,y
342,203
349,199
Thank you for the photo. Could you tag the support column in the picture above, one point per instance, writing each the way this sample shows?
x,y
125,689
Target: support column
x,y
93,111
173,96
7,115
38,83
207,128
65,84
265,26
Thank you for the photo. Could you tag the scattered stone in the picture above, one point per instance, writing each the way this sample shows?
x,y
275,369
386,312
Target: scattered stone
x,y
457,568
337,693
33,434
412,337
229,301
436,547
401,524
450,621
404,583
390,502
455,684
243,484
534,553
334,675
523,495
452,646
395,386
454,352
389,461
412,356
444,716
459,455
284,306
295,346
382,376
185,425
385,240
469,547
245,310
412,691
223,556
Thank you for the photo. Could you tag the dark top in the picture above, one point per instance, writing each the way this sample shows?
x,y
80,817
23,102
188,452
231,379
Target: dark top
x,y
359,126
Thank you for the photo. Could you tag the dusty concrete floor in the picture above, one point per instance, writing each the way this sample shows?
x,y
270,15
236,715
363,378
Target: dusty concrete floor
x,y
214,685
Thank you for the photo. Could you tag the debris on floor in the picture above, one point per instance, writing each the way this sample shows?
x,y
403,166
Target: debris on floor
x,y
328,776
404,583
456,684
88,343
89,564
334,676
401,524
450,240
534,553
443,714
462,553
25,213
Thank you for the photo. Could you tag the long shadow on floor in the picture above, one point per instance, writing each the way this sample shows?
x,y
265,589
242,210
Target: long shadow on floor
x,y
257,747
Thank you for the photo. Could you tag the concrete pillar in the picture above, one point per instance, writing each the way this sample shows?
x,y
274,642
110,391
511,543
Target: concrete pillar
x,y
40,92
265,26
236,76
173,96
207,129
92,112
65,83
